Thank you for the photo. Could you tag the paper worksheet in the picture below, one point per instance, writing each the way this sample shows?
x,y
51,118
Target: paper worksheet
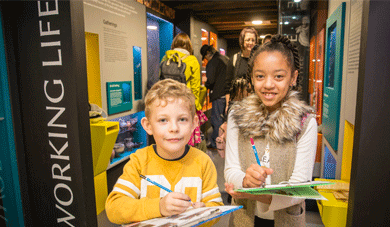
x,y
299,190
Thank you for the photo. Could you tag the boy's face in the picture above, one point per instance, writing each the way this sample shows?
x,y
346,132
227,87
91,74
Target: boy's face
x,y
171,125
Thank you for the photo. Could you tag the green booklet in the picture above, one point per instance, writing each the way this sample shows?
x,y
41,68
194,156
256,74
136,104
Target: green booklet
x,y
299,190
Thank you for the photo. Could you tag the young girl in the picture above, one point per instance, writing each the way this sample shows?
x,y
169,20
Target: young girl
x,y
285,135
239,90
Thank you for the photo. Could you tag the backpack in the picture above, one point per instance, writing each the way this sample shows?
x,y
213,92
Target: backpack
x,y
173,68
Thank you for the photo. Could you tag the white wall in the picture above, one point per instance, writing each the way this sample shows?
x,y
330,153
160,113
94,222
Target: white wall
x,y
127,29
196,35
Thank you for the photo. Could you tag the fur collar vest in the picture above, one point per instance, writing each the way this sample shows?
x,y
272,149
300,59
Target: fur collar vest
x,y
283,124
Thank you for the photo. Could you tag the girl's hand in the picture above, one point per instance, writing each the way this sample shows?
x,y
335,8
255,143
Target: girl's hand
x,y
229,188
174,203
255,176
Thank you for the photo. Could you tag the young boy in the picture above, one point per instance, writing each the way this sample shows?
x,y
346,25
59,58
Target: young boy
x,y
190,173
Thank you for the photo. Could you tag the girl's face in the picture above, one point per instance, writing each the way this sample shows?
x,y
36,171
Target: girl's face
x,y
249,41
272,78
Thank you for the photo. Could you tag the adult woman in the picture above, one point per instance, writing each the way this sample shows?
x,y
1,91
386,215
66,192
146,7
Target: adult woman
x,y
182,46
285,135
238,64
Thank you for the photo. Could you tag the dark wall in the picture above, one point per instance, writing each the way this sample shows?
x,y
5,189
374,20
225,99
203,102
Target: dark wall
x,y
370,174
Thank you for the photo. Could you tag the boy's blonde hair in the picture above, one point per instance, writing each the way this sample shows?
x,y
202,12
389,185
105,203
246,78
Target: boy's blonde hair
x,y
168,90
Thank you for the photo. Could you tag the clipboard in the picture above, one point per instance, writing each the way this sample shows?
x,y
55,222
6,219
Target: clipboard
x,y
290,189
191,217
284,185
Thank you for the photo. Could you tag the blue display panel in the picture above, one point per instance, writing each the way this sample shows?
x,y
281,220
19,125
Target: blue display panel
x,y
137,65
132,136
333,76
329,164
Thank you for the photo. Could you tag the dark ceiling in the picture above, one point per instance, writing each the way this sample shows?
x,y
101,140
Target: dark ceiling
x,y
230,17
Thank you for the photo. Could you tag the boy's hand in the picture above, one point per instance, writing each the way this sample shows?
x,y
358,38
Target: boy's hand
x,y
199,204
174,203
255,176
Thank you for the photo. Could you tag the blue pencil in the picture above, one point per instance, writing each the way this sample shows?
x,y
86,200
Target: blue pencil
x,y
255,151
155,183
159,185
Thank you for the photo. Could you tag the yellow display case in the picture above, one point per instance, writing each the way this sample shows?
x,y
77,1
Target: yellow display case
x,y
101,191
103,137
333,212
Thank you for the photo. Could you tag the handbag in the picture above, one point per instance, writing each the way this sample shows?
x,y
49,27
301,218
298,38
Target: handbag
x,y
202,95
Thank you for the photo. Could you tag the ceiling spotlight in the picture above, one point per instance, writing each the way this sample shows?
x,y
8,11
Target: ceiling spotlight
x,y
297,0
151,27
286,22
257,22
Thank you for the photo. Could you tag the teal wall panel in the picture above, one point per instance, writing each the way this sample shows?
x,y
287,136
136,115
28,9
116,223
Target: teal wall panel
x,y
333,75
11,212
166,37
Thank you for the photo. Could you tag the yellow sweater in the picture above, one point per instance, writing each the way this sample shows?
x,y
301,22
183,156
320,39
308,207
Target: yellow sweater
x,y
133,199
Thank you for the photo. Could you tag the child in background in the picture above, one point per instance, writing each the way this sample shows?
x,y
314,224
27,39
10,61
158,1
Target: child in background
x,y
240,89
190,173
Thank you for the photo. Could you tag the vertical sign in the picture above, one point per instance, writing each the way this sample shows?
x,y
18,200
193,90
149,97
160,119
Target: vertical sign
x,y
50,64
333,75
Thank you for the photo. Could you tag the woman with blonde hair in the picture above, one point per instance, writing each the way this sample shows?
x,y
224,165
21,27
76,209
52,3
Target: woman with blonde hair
x,y
238,64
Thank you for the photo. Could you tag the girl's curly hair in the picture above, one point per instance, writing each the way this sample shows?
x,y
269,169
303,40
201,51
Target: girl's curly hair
x,y
278,43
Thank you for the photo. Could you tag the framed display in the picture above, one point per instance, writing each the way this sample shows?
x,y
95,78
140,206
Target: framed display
x,y
119,97
295,23
320,74
333,75
137,66
213,40
131,137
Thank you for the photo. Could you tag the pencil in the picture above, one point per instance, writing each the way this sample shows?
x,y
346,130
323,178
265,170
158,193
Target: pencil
x,y
155,183
159,185
257,156
255,151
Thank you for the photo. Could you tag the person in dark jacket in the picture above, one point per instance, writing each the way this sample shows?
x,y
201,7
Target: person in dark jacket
x,y
216,79
238,64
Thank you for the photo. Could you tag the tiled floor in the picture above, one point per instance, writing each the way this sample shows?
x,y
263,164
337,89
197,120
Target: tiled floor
x,y
313,218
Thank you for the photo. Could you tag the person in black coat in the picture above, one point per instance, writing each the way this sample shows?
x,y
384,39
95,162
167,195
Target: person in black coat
x,y
216,82
238,64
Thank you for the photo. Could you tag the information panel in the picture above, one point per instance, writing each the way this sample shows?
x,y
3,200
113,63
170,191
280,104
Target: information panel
x,y
333,75
119,97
